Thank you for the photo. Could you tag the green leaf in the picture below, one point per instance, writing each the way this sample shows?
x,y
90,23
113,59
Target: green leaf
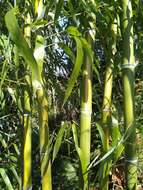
x,y
59,140
16,175
73,31
75,136
116,136
76,69
3,73
21,43
68,51
88,49
59,6
108,155
6,179
3,142
102,135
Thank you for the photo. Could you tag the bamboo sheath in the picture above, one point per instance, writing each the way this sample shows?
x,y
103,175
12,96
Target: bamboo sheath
x,y
129,102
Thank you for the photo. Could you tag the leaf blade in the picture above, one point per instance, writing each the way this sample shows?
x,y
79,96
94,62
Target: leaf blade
x,y
19,40
76,69
58,141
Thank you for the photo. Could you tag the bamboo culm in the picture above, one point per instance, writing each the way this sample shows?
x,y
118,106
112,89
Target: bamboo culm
x,y
85,117
128,93
106,108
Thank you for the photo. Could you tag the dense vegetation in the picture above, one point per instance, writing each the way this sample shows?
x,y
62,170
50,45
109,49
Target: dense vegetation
x,y
71,94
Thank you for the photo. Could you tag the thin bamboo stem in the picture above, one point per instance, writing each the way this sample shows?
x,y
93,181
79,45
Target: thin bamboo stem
x,y
27,142
46,176
106,108
27,162
85,117
44,141
129,102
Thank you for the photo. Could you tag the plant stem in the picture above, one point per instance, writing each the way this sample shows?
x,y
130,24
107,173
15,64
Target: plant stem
x,y
85,117
128,87
27,180
106,108
39,53
27,144
44,141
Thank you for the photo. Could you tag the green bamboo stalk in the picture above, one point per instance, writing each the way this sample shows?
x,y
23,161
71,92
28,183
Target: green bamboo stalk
x,y
128,88
39,53
85,116
27,142
44,141
38,88
46,176
106,108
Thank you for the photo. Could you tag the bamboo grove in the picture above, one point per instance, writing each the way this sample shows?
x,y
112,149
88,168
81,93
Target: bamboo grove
x,y
71,94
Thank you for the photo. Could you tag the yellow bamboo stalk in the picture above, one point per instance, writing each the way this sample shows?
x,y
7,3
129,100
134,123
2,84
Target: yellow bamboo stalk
x,y
27,144
27,180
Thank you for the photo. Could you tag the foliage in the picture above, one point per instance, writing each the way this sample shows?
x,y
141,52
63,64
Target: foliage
x,y
63,26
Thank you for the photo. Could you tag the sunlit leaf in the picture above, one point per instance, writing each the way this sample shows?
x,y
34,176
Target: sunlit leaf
x,y
73,31
76,69
21,43
59,140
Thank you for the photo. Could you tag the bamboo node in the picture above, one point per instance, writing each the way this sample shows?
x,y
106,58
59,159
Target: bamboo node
x,y
37,85
129,66
85,111
107,110
132,161
26,114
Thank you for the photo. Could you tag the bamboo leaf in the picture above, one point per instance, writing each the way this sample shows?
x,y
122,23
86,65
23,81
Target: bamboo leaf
x,y
73,31
3,73
6,179
105,156
87,48
16,175
19,40
68,51
75,136
76,69
3,142
116,135
102,135
59,140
